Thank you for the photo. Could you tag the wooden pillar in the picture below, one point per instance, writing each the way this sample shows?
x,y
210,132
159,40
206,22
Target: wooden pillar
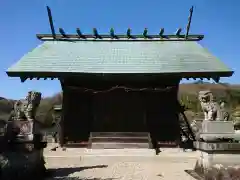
x,y
177,114
63,114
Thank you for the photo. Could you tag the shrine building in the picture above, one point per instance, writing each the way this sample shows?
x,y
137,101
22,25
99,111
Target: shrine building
x,y
119,83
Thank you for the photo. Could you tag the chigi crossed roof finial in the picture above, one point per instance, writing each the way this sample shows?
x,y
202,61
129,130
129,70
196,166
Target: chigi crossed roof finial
x,y
112,36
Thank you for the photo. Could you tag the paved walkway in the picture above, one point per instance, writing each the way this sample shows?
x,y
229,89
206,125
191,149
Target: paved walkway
x,y
169,165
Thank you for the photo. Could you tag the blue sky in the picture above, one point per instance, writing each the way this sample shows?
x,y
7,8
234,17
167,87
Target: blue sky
x,y
218,20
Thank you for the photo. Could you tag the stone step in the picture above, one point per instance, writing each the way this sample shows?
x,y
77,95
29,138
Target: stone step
x,y
119,134
77,145
109,145
120,139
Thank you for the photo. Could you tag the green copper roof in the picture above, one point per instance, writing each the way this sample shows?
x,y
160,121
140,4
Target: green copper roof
x,y
118,57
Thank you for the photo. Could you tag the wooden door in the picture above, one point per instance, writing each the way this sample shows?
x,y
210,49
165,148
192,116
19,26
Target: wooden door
x,y
78,115
119,111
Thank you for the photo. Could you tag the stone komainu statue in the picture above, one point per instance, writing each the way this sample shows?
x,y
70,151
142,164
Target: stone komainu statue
x,y
26,109
212,110
224,113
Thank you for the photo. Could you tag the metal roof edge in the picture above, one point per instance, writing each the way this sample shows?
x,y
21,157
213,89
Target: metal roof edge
x,y
119,38
199,74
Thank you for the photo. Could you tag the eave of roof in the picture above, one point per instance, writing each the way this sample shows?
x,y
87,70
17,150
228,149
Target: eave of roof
x,y
75,74
55,75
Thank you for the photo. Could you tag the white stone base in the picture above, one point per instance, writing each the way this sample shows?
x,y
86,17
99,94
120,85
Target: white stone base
x,y
237,135
217,147
217,127
208,160
213,130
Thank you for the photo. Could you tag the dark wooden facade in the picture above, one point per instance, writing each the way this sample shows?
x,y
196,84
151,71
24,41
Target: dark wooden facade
x,y
118,110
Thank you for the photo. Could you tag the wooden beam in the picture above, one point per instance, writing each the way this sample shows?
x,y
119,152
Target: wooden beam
x,y
107,37
63,112
129,33
51,22
112,34
62,32
62,83
23,79
80,34
161,32
216,79
95,34
145,33
37,78
189,22
178,32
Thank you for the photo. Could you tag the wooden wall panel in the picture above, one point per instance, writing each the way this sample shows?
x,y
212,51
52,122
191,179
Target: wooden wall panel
x,y
119,111
78,115
162,115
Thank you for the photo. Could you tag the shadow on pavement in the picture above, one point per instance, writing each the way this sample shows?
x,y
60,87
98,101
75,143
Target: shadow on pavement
x,y
194,174
63,173
76,178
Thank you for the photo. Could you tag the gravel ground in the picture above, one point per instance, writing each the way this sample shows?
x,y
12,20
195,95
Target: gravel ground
x,y
169,165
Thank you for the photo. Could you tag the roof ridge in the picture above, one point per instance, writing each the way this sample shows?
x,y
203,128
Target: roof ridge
x,y
105,37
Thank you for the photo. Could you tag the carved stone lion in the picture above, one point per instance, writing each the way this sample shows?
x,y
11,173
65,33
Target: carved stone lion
x,y
210,108
26,109
236,118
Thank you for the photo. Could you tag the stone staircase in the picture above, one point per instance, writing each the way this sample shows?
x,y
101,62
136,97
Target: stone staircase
x,y
119,140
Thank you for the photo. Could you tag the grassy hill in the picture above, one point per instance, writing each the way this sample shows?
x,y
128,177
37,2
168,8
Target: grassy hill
x,y
230,93
6,106
187,94
44,112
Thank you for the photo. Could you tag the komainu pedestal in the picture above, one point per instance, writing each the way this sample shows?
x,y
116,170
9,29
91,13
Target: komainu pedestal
x,y
217,131
216,138
23,154
217,145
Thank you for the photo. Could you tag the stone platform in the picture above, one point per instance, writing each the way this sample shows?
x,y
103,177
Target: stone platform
x,y
217,130
208,160
217,146
211,154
